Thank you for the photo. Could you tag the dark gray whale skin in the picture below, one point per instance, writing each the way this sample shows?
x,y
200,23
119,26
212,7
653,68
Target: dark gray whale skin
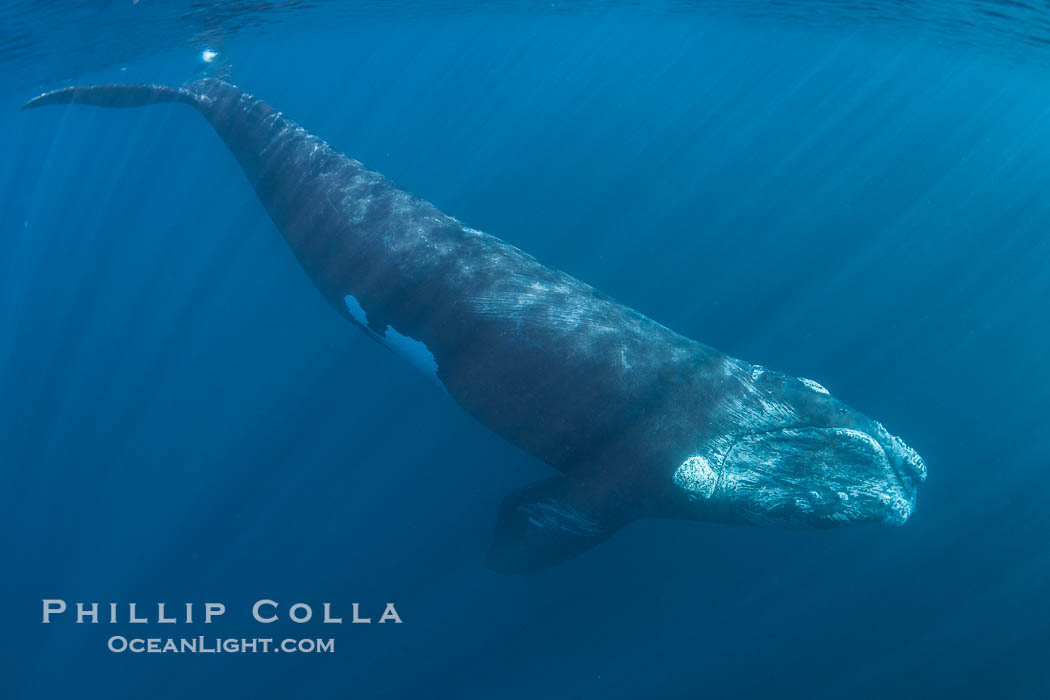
x,y
640,420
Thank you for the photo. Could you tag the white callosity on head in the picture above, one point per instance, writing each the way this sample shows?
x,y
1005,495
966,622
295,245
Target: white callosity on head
x,y
815,386
903,456
697,476
414,351
908,457
911,458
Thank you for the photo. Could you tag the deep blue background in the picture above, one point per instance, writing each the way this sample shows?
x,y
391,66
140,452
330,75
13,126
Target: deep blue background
x,y
182,418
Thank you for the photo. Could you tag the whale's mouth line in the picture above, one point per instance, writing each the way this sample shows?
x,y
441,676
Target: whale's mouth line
x,y
889,452
808,428
813,473
757,434
721,469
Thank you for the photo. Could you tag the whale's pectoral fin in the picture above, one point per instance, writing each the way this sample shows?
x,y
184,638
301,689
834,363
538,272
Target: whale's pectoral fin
x,y
546,523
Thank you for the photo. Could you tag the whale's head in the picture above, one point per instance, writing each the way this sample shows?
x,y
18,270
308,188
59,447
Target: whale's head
x,y
788,453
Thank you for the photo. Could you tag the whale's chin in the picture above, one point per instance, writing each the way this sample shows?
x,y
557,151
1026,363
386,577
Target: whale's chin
x,y
813,476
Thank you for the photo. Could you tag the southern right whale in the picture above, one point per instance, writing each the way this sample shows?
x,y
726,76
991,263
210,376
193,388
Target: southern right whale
x,y
640,420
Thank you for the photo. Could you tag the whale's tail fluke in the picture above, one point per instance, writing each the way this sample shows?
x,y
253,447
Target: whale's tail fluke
x,y
290,169
250,128
117,96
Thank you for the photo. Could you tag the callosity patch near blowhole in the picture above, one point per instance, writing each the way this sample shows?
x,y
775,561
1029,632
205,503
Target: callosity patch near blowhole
x,y
815,386
697,476
414,351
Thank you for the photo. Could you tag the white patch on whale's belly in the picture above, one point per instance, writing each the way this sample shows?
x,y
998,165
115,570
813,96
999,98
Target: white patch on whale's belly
x,y
354,307
696,475
414,351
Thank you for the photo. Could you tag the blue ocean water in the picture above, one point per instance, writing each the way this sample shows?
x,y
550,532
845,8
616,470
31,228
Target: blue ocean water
x,y
854,193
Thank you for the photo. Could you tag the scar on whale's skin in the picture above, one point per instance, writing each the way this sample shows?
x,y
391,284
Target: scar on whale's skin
x,y
410,349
